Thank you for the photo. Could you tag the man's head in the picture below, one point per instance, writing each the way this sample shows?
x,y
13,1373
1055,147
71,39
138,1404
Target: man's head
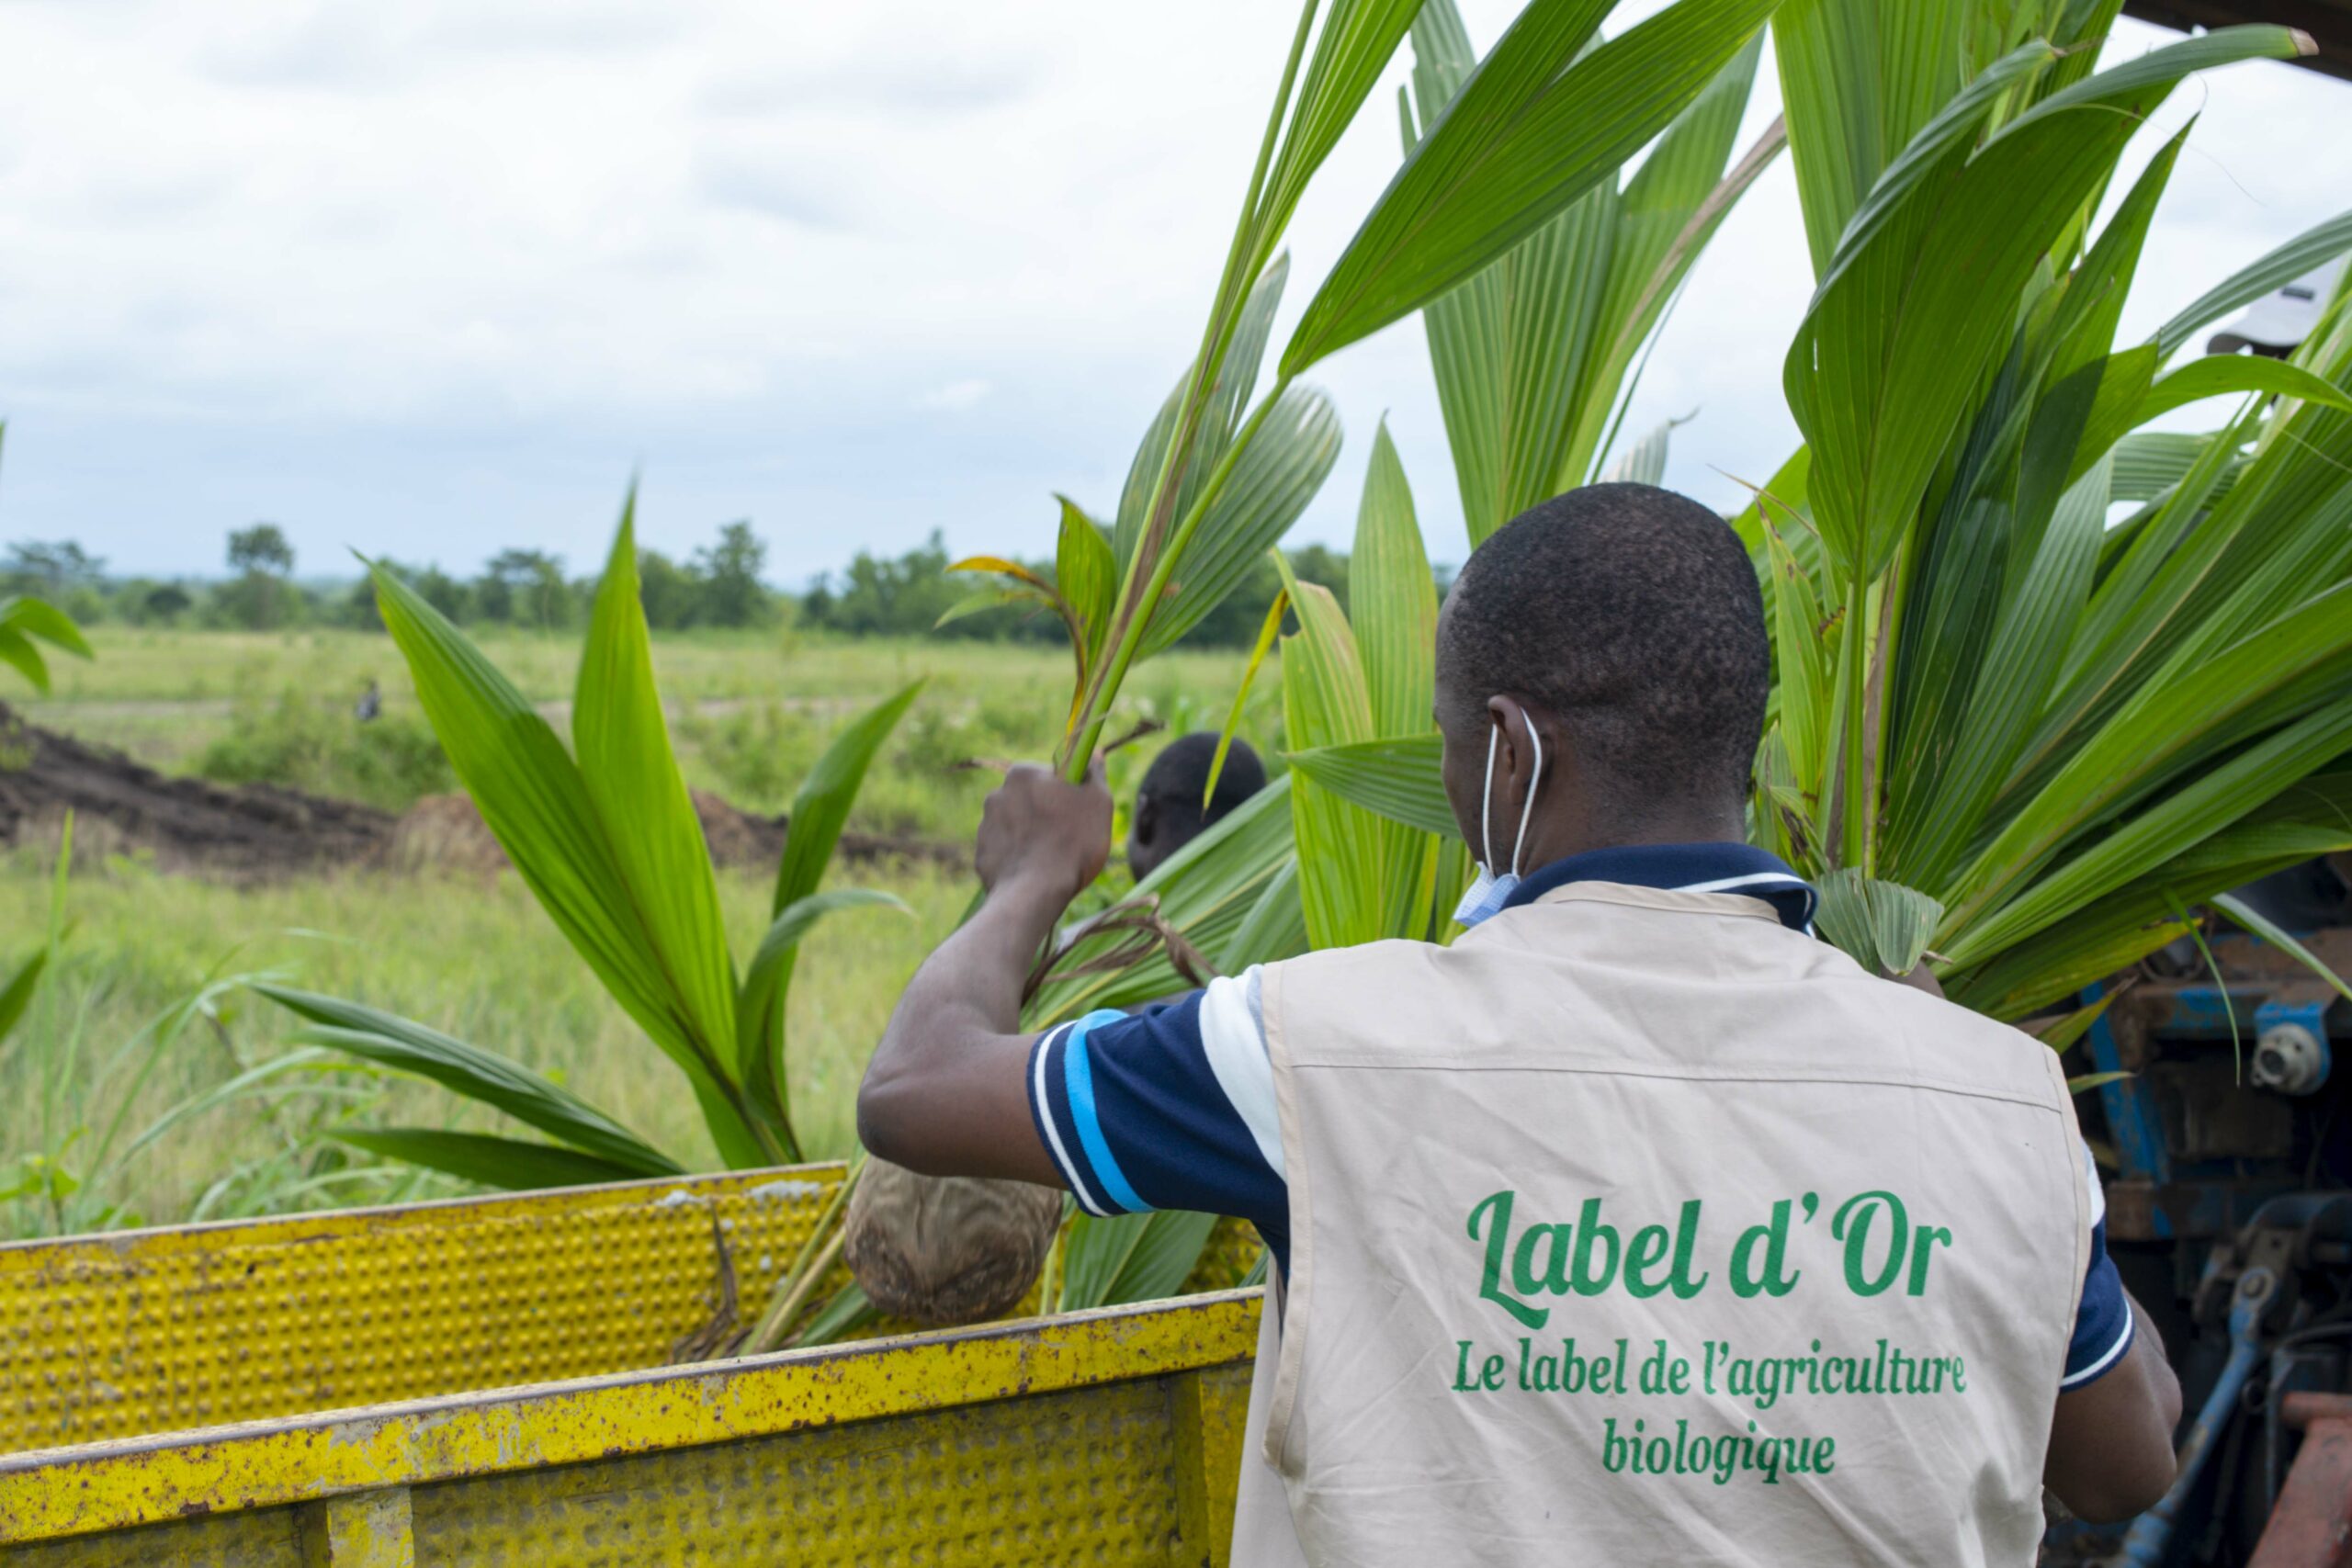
x,y
1167,805
1619,627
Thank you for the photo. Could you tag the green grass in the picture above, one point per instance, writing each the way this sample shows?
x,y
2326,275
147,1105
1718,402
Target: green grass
x,y
475,956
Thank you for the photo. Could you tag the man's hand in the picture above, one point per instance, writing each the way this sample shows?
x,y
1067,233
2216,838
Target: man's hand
x,y
1035,827
946,1092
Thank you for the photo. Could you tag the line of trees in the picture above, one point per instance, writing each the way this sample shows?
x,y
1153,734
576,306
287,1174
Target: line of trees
x,y
718,585
906,595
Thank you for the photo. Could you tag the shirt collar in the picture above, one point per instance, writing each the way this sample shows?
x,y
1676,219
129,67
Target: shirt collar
x,y
1681,868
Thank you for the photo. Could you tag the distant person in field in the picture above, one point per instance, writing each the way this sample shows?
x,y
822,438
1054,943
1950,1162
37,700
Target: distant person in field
x,y
1637,1225
1168,812
371,703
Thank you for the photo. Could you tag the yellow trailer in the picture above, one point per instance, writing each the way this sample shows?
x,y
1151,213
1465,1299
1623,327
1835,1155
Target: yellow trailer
x,y
486,1380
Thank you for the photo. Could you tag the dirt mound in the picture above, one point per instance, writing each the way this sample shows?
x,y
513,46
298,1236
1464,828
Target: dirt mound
x,y
445,832
736,837
260,832
252,831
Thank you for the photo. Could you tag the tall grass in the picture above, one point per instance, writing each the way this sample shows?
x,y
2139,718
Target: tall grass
x,y
473,957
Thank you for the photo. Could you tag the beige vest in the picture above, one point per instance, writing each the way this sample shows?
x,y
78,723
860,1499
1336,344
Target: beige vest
x,y
1635,1228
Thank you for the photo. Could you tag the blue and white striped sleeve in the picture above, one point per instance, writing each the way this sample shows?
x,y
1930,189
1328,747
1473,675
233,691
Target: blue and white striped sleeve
x,y
2103,1322
1170,1108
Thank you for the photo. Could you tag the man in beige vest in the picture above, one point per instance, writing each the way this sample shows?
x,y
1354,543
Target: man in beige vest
x,y
1635,1226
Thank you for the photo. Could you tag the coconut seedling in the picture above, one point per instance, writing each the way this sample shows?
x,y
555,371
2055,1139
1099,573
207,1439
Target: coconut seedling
x,y
604,835
1549,117
2006,735
1533,359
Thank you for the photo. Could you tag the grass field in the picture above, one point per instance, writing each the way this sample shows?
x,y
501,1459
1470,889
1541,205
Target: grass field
x,y
471,955
750,711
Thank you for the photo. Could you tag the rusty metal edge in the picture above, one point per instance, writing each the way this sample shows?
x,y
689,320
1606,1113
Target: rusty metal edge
x,y
138,1481
17,1257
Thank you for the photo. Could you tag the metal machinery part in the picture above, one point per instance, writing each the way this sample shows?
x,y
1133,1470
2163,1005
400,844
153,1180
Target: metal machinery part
x,y
2227,1156
2312,1525
2289,1055
2152,1532
2231,1100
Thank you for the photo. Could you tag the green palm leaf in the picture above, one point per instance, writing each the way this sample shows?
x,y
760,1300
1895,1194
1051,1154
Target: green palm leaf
x,y
1530,354
17,651
1283,457
1130,1258
768,984
513,1164
630,777
1221,415
1528,134
1883,925
388,1040
531,795
1087,573
1393,597
2322,243
39,618
2305,819
1398,779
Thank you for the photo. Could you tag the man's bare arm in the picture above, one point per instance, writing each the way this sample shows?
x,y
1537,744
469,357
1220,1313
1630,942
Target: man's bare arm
x,y
945,1093
2111,1445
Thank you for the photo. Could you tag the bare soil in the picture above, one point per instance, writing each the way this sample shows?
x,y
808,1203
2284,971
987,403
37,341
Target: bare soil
x,y
260,832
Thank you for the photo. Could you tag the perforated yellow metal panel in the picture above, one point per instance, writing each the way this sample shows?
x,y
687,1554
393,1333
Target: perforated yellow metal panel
x,y
265,1540
107,1336
1103,1437
1071,1478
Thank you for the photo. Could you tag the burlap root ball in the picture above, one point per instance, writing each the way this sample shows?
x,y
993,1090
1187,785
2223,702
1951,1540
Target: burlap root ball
x,y
946,1250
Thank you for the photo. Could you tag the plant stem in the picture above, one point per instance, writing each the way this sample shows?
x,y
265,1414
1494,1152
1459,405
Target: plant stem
x,y
1216,339
774,1329
1855,836
808,1266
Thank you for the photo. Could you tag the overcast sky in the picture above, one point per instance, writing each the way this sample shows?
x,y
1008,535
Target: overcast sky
x,y
431,279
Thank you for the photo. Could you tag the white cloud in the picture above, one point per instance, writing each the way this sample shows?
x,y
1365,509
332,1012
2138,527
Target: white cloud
x,y
954,395
431,279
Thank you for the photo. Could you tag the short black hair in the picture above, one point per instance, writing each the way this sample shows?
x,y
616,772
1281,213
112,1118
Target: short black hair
x,y
1632,615
1179,776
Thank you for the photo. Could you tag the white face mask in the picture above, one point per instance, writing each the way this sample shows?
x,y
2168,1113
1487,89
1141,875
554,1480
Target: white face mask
x,y
1488,892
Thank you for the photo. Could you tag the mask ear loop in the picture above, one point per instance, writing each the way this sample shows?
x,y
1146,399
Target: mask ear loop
x,y
1487,802
1527,807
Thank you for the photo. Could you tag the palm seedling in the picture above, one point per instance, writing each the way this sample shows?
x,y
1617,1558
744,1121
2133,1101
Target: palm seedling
x,y
2010,736
606,837
2007,735
1534,357
1500,159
